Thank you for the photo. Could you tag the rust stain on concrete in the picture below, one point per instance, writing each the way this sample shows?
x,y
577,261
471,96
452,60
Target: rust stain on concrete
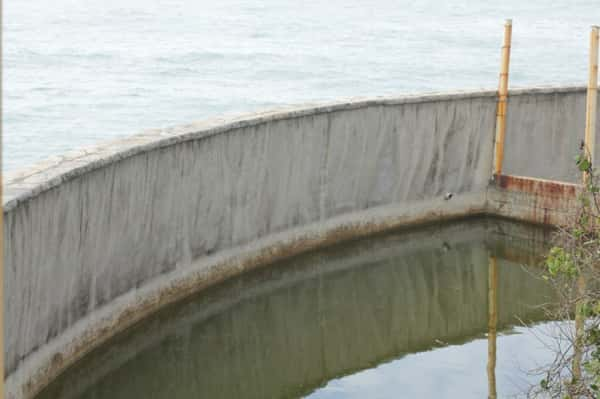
x,y
536,186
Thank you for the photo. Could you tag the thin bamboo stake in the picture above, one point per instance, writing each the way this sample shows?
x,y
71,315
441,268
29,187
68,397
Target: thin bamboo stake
x,y
589,144
592,100
492,326
502,98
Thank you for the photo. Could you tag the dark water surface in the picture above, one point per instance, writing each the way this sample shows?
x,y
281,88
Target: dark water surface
x,y
408,314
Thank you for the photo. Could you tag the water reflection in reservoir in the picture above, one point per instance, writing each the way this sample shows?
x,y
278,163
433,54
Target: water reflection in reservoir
x,y
418,313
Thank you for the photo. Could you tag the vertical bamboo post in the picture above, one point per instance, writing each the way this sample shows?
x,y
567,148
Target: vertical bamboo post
x,y
492,326
502,98
589,144
592,100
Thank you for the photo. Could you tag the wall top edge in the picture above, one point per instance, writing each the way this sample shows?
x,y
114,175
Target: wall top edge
x,y
24,184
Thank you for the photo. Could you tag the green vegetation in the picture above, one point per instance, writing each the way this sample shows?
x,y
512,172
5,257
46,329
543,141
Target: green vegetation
x,y
572,269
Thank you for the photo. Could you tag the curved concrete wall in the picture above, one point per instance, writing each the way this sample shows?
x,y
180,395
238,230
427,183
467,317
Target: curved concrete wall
x,y
97,239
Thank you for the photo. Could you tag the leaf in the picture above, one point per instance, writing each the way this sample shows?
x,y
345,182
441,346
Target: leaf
x,y
584,165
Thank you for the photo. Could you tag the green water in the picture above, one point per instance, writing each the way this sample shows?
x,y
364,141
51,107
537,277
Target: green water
x,y
400,315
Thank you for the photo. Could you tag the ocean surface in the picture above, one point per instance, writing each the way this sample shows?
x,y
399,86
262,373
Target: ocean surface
x,y
76,72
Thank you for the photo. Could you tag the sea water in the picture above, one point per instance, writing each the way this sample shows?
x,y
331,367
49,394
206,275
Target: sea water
x,y
76,72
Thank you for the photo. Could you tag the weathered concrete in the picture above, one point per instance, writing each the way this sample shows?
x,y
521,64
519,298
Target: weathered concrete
x,y
534,200
544,132
97,239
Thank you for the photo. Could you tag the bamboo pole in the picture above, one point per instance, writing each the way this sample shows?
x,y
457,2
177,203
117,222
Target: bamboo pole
x,y
492,326
592,100
589,145
502,98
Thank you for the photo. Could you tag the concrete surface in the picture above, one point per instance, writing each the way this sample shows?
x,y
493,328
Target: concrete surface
x,y
99,238
543,134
